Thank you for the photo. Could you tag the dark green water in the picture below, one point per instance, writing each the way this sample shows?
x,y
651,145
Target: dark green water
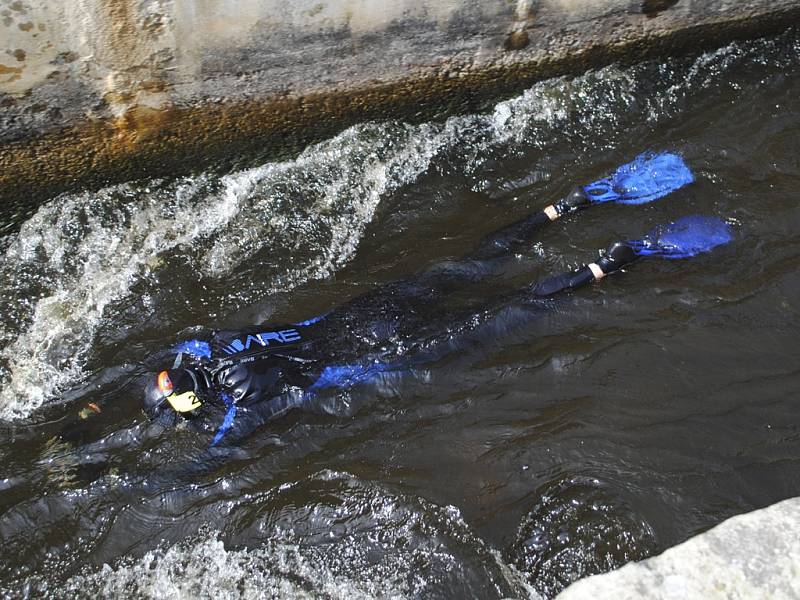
x,y
638,413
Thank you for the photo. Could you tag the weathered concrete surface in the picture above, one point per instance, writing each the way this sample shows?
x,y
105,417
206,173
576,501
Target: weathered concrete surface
x,y
748,557
109,89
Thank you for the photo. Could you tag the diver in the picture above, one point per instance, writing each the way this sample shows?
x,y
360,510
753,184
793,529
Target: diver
x,y
231,382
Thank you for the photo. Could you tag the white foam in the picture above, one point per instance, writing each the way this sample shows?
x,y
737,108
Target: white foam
x,y
87,251
88,268
204,568
342,182
359,542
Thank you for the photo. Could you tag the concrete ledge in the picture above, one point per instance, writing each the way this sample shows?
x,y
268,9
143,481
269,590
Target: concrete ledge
x,y
748,557
108,90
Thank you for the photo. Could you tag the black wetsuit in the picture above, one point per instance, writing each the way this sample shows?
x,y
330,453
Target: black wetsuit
x,y
256,375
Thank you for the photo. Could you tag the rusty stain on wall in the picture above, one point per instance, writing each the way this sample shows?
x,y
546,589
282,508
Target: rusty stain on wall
x,y
14,73
117,89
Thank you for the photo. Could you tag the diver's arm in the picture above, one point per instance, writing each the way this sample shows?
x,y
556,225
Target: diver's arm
x,y
616,257
515,236
81,428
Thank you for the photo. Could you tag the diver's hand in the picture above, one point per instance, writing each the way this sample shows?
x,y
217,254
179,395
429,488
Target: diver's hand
x,y
89,410
81,430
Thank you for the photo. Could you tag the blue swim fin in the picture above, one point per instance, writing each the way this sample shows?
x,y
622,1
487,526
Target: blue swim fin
x,y
684,238
648,177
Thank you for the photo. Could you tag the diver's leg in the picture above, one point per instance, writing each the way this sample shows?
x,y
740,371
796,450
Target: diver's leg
x,y
509,312
408,304
488,258
681,239
514,237
648,177
616,257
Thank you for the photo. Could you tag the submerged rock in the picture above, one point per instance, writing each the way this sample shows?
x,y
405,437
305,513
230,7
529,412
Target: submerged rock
x,y
578,528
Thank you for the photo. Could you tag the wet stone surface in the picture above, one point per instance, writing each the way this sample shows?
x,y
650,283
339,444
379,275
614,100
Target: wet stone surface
x,y
748,556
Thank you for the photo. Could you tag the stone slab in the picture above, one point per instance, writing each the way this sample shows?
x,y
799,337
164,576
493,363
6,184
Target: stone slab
x,y
755,556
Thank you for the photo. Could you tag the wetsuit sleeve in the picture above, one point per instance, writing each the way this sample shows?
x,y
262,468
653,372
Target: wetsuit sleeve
x,y
251,382
240,421
256,391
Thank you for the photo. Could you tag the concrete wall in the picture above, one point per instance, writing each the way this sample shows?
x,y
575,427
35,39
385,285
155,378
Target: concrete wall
x,y
747,557
108,89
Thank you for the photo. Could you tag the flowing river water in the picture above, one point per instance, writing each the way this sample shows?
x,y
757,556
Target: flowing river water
x,y
633,415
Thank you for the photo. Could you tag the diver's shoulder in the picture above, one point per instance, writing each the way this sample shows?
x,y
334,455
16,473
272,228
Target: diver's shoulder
x,y
270,336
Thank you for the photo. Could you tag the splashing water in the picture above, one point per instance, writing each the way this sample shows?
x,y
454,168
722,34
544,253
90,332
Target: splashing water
x,y
76,263
372,544
84,254
89,251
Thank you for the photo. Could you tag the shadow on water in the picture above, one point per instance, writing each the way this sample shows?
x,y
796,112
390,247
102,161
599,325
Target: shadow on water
x,y
627,418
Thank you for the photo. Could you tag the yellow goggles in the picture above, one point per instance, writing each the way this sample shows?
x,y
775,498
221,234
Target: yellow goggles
x,y
186,402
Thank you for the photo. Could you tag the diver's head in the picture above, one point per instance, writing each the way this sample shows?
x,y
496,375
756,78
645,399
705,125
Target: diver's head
x,y
182,390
